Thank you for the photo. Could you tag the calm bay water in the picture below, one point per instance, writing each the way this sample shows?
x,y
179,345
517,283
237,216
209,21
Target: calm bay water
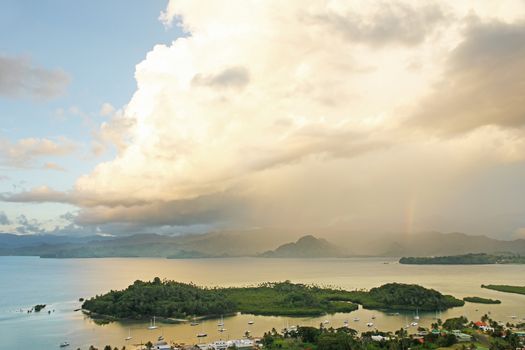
x,y
26,281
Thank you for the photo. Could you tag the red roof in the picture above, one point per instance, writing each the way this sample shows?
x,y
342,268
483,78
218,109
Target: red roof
x,y
480,324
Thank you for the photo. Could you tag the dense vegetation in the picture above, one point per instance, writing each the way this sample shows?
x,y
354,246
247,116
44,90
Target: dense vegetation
x,y
286,298
160,298
480,300
405,297
174,299
466,259
505,288
442,336
39,307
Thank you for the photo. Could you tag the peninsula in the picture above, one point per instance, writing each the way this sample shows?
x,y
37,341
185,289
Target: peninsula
x,y
465,259
505,288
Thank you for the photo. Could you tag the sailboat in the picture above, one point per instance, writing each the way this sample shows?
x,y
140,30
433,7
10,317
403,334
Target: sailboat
x,y
129,337
201,334
416,317
152,324
221,323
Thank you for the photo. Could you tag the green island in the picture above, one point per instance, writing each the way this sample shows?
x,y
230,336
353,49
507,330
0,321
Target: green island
x,y
480,300
505,288
465,259
170,299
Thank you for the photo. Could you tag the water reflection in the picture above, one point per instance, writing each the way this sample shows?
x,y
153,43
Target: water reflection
x,y
60,283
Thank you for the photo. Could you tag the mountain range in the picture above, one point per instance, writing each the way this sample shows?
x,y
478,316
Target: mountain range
x,y
257,242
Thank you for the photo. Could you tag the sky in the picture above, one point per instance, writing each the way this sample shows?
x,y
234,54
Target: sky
x,y
188,116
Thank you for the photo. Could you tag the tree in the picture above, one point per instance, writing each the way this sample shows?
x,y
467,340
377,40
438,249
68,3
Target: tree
x,y
268,340
308,334
335,341
455,323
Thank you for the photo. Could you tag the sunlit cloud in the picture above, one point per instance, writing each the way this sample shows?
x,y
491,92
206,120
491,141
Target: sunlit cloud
x,y
315,114
23,153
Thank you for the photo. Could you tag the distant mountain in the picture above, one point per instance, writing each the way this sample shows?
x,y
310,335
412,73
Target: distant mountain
x,y
438,244
216,244
275,242
8,240
306,247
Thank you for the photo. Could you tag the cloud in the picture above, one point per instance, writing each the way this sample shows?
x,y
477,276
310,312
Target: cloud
x,y
36,195
106,109
53,166
4,220
28,226
483,82
236,77
24,152
294,114
19,77
386,23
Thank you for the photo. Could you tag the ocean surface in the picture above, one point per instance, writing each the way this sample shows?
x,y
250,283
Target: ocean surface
x,y
27,281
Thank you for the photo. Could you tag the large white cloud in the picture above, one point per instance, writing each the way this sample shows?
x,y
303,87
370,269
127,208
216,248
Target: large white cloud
x,y
295,113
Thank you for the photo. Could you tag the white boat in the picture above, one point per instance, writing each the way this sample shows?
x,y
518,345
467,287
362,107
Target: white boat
x,y
152,324
201,335
194,323
129,337
373,317
222,329
221,323
414,324
345,323
326,322
250,322
160,338
356,319
64,344
416,317
370,324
